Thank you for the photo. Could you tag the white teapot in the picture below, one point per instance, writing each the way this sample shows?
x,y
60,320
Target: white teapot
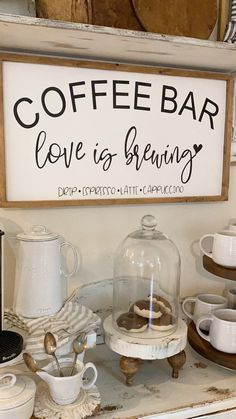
x,y
38,280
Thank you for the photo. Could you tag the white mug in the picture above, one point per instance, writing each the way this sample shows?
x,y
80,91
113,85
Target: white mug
x,y
223,248
232,227
203,304
222,332
231,295
65,390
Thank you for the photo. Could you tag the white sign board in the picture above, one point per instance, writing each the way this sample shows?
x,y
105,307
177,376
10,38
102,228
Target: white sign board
x,y
82,133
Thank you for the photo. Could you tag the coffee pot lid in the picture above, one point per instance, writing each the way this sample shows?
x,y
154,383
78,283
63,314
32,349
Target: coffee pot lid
x,y
37,233
15,390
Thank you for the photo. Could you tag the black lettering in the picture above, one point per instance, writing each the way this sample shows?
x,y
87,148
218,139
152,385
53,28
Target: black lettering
x,y
55,152
208,112
138,95
78,148
72,94
39,145
20,122
62,97
103,156
115,94
191,107
166,98
94,93
128,154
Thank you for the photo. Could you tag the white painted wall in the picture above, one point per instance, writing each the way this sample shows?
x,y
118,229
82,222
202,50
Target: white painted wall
x,y
18,7
97,231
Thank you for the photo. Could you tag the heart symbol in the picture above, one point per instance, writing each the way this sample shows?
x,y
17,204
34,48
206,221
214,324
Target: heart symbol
x,y
197,148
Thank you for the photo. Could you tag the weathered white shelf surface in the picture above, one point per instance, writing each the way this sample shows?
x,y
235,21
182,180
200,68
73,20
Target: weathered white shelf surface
x,y
46,37
202,388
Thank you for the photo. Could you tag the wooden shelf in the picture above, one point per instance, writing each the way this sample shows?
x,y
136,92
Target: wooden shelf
x,y
218,270
56,38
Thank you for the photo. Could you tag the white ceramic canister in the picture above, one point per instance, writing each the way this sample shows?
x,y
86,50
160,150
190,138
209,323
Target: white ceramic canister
x,y
17,395
39,289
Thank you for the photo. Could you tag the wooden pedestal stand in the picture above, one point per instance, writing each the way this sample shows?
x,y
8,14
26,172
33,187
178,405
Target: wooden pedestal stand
x,y
134,349
218,270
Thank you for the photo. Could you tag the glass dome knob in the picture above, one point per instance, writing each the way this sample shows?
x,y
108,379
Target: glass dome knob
x,y
148,222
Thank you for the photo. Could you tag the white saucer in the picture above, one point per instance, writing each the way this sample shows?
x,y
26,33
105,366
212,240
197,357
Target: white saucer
x,y
84,406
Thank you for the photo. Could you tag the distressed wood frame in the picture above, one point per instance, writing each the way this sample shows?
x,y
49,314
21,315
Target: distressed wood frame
x,y
5,203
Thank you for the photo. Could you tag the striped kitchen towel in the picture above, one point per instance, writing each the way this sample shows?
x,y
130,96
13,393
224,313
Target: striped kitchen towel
x,y
72,319
230,33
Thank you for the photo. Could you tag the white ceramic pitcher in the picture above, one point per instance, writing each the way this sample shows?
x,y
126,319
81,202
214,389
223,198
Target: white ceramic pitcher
x,y
39,274
65,390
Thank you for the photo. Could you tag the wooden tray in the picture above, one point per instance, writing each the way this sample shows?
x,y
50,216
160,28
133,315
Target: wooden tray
x,y
218,270
204,348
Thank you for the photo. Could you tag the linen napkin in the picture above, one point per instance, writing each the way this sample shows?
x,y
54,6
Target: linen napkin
x,y
72,319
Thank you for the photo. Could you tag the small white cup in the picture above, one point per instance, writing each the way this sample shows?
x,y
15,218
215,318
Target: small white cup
x,y
231,295
222,332
232,227
204,304
223,247
65,390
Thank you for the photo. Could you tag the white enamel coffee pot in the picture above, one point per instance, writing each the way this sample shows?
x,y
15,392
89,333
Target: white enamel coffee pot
x,y
39,275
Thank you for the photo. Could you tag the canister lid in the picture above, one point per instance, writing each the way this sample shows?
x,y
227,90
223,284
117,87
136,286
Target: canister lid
x,y
37,233
15,390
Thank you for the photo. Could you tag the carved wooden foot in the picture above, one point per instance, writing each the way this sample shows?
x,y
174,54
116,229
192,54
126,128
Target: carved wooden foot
x,y
129,367
176,362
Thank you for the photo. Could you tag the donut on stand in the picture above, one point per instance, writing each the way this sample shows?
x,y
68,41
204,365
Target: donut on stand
x,y
144,323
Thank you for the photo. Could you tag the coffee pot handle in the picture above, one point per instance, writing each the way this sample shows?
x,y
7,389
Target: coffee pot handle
x,y
209,254
76,257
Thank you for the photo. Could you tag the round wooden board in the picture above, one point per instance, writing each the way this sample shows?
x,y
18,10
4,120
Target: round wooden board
x,y
205,349
218,270
115,13
68,10
195,18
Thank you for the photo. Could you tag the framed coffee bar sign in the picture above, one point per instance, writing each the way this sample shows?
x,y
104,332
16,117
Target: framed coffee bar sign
x,y
81,133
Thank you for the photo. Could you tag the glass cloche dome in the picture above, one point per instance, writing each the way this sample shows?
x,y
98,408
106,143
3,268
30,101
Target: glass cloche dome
x,y
146,283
